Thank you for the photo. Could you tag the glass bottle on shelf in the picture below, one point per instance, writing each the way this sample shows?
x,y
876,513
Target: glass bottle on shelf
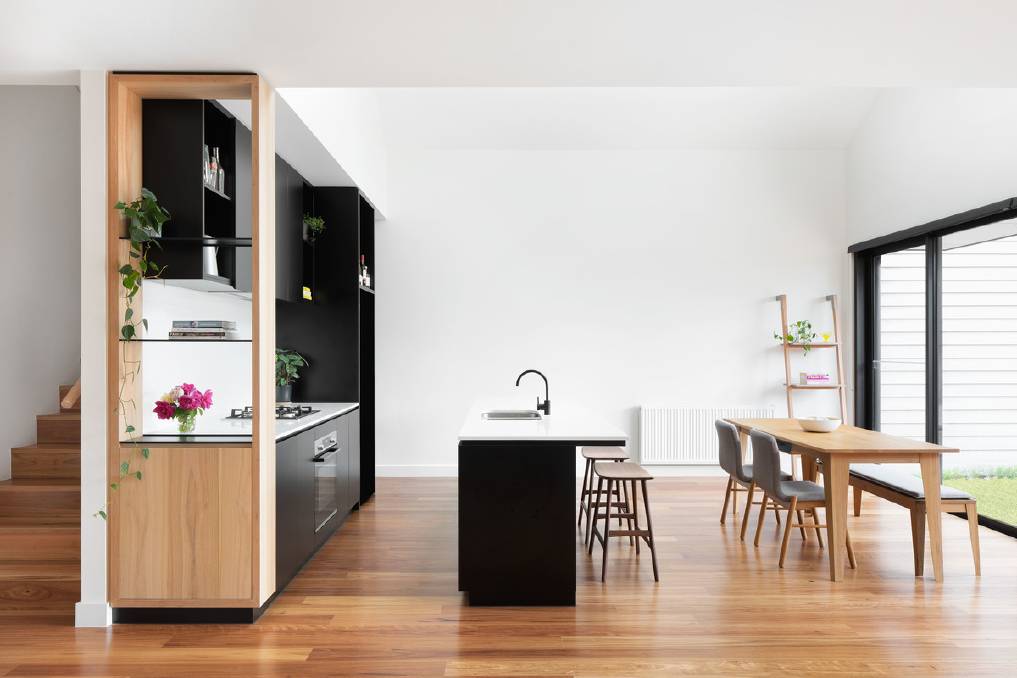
x,y
213,168
206,164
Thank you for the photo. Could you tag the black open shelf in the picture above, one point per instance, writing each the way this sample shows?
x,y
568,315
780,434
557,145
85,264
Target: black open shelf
x,y
174,132
218,193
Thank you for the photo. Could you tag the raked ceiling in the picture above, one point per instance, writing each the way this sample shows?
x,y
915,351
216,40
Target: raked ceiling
x,y
412,43
618,118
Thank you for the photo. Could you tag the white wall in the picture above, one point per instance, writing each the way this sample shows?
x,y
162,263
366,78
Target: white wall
x,y
347,122
922,154
39,267
628,277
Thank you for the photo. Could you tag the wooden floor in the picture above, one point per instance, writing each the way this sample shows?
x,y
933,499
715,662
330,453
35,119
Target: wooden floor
x,y
381,599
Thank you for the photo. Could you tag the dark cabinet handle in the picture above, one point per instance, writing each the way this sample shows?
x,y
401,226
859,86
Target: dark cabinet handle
x,y
320,457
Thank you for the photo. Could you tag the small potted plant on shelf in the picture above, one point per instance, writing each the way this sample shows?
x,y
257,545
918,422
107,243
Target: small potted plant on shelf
x,y
799,333
183,403
287,370
313,227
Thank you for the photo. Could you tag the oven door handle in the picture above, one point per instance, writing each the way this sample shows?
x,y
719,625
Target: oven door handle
x,y
321,456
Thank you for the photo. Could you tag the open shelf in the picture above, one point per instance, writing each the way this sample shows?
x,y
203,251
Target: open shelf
x,y
207,241
190,341
822,344
215,192
814,387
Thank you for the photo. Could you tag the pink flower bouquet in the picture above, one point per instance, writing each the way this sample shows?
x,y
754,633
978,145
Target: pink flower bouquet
x,y
183,403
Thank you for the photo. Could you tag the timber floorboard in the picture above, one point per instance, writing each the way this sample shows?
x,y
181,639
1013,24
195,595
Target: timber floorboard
x,y
380,598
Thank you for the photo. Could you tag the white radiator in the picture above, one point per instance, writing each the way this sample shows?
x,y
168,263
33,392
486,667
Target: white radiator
x,y
685,435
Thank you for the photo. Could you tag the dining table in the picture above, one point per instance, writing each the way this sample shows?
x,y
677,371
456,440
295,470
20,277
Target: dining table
x,y
835,451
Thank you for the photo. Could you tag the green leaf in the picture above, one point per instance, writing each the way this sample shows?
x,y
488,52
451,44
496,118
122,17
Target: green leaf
x,y
125,269
124,468
137,474
129,313
129,429
102,514
114,486
144,321
127,331
145,452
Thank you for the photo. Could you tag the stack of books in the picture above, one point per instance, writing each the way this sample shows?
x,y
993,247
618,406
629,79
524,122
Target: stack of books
x,y
203,330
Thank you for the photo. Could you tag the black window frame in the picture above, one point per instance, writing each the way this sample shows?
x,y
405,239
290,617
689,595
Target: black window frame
x,y
865,261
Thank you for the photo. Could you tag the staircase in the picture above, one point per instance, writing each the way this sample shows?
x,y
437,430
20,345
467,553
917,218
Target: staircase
x,y
39,521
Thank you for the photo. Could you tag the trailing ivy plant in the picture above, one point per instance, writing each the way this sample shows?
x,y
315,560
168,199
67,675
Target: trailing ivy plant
x,y
799,332
145,218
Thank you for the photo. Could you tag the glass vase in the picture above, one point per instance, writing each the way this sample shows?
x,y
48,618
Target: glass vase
x,y
187,424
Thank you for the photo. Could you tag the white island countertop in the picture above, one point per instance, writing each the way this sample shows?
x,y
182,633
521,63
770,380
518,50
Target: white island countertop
x,y
565,423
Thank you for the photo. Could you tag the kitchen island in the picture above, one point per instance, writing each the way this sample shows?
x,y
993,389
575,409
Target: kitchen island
x,y
517,504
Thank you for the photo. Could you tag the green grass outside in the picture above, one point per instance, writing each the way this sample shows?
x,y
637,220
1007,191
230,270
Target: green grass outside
x,y
996,495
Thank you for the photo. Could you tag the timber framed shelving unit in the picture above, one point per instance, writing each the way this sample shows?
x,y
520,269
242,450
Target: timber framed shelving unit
x,y
790,386
196,535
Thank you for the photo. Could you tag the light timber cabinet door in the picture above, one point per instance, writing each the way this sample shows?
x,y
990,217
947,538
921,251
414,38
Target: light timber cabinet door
x,y
183,533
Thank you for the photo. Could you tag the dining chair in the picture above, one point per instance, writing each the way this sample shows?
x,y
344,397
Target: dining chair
x,y
739,473
794,495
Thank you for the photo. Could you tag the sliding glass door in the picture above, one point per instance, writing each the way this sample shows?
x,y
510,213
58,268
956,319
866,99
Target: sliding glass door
x,y
979,341
936,352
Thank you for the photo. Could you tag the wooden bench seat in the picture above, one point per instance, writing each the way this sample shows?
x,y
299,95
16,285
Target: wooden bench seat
x,y
907,490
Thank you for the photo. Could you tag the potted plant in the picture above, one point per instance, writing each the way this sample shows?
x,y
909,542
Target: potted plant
x,y
800,333
287,370
313,227
183,403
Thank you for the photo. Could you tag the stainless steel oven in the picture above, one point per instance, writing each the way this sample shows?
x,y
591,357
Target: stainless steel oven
x,y
326,500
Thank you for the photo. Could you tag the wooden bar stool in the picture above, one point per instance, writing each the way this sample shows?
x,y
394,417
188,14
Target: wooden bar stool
x,y
588,498
617,474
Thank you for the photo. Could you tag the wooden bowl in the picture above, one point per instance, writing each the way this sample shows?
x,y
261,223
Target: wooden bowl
x,y
819,424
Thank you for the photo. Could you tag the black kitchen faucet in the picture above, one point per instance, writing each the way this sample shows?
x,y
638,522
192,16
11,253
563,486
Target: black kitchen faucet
x,y
546,406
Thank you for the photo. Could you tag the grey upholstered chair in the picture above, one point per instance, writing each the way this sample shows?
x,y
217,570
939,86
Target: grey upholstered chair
x,y
739,474
793,495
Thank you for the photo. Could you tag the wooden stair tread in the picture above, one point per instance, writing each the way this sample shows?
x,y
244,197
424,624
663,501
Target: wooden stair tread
x,y
59,543
40,502
36,485
28,570
46,461
58,428
50,447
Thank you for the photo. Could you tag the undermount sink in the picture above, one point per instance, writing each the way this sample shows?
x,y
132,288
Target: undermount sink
x,y
519,415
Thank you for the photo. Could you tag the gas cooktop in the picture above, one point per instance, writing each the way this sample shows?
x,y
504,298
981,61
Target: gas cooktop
x,y
281,412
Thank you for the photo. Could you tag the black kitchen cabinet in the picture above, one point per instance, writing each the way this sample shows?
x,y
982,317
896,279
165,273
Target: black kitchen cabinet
x,y
294,505
298,535
289,217
174,132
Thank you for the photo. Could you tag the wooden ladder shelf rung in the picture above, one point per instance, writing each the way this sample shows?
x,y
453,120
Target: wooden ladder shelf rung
x,y
789,386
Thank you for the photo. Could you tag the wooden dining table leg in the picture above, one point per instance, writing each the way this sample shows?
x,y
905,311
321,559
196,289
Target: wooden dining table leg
x,y
931,480
835,470
809,470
